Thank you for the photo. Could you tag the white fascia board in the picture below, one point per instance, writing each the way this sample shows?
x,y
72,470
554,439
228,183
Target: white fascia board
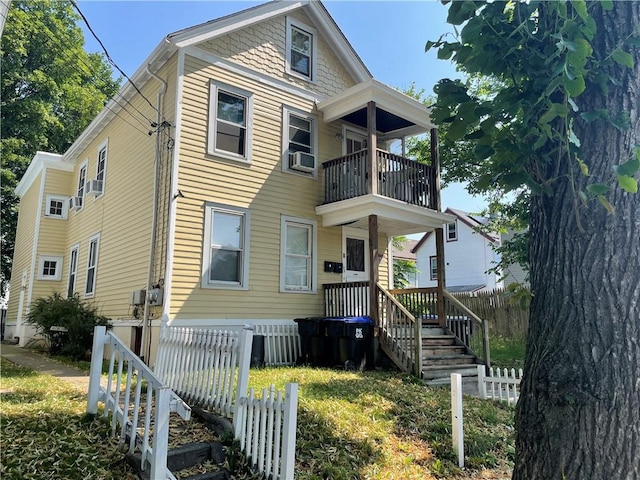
x,y
158,57
230,23
38,163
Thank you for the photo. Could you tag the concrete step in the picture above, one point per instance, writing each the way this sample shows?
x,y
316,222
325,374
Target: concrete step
x,y
439,340
430,350
454,359
444,372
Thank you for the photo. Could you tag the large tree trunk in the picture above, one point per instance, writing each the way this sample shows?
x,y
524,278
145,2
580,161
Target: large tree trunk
x,y
579,412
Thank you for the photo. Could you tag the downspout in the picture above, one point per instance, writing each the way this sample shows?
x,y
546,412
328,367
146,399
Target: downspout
x,y
146,322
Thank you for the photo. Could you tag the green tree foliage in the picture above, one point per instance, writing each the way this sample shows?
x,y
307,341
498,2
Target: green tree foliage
x,y
564,125
76,316
50,88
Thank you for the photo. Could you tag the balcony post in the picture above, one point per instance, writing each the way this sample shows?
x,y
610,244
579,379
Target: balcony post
x,y
372,143
374,265
441,276
435,163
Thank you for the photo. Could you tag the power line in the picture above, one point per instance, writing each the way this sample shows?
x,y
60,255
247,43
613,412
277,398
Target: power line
x,y
111,61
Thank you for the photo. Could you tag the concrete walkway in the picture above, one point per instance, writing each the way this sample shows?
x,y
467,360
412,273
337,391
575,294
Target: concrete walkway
x,y
45,365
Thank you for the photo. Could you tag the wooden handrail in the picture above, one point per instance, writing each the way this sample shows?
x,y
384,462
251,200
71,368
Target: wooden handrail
x,y
463,307
389,294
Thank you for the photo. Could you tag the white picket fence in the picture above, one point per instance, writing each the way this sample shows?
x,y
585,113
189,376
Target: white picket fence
x,y
281,344
124,410
211,368
502,385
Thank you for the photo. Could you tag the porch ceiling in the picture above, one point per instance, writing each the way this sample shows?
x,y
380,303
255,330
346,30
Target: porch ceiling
x,y
394,216
397,114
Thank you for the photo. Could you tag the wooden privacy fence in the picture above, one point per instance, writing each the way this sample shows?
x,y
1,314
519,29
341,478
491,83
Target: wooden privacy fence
x,y
505,318
125,411
500,384
211,368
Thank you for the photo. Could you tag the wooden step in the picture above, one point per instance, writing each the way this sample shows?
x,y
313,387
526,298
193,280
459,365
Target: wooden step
x,y
459,359
439,340
431,331
443,349
433,372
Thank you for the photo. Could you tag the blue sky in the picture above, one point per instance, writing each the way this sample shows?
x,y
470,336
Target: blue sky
x,y
389,36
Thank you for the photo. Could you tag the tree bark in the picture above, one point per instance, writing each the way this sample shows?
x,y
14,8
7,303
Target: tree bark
x,y
579,412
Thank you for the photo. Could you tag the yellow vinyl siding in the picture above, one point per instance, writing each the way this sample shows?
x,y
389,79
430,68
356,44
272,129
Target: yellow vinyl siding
x,y
262,47
261,187
25,236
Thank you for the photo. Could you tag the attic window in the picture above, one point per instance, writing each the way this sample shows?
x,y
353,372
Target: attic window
x,y
452,232
301,50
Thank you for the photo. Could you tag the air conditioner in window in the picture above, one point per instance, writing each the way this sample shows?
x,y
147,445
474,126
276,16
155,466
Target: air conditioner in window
x,y
304,162
94,187
75,203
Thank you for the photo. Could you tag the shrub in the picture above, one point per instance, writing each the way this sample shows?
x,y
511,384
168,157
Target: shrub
x,y
77,316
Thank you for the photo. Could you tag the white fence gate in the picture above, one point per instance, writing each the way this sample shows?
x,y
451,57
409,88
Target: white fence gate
x,y
211,368
124,410
502,385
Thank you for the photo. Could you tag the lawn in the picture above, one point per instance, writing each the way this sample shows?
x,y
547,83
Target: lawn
x,y
507,352
351,425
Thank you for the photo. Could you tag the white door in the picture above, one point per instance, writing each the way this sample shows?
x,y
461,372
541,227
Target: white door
x,y
355,255
354,141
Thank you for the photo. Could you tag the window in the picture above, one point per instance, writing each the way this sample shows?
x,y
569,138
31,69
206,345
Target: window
x,y
92,265
56,207
101,167
297,255
433,267
301,48
82,180
50,267
452,232
225,250
73,270
299,135
230,123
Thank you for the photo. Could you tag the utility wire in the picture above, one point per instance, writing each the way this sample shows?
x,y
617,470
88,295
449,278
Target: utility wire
x,y
111,61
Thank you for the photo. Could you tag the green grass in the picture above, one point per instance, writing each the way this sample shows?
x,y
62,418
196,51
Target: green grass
x,y
46,434
507,352
385,425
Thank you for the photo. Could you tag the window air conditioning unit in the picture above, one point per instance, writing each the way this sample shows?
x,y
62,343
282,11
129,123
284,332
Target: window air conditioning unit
x,y
75,203
94,187
304,162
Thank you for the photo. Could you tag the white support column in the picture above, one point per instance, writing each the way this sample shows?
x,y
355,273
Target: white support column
x,y
457,430
289,431
97,352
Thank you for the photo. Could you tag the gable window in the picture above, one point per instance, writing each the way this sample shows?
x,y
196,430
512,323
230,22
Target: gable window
x,y
92,266
50,267
299,142
433,267
73,270
225,250
56,207
301,50
230,123
297,255
452,232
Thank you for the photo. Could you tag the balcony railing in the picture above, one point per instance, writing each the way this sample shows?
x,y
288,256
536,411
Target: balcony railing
x,y
398,177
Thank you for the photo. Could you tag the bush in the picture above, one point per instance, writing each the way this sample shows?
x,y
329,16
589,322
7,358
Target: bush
x,y
77,316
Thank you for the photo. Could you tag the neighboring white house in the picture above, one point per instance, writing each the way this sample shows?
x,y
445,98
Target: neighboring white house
x,y
468,254
514,273
405,252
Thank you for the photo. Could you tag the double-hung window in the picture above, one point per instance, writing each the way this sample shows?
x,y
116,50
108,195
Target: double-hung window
x,y
101,168
50,267
433,267
225,250
452,232
230,122
73,270
299,135
301,50
82,181
297,255
92,266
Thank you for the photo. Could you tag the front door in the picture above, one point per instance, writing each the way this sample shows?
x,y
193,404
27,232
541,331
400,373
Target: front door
x,y
355,255
354,141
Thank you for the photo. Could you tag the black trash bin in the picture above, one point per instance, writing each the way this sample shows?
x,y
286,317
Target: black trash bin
x,y
59,337
312,341
352,338
257,351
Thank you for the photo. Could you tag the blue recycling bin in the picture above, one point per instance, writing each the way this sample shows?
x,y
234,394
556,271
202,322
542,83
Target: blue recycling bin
x,y
352,338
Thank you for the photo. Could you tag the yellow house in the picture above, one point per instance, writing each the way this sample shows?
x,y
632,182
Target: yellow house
x,y
258,191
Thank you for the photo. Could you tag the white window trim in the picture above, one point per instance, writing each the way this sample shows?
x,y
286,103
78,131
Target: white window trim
x,y
206,247
286,111
73,248
50,258
104,145
431,276
291,22
284,220
211,133
95,237
455,237
57,198
84,189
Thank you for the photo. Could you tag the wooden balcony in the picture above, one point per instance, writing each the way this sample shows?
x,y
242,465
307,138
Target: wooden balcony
x,y
397,177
